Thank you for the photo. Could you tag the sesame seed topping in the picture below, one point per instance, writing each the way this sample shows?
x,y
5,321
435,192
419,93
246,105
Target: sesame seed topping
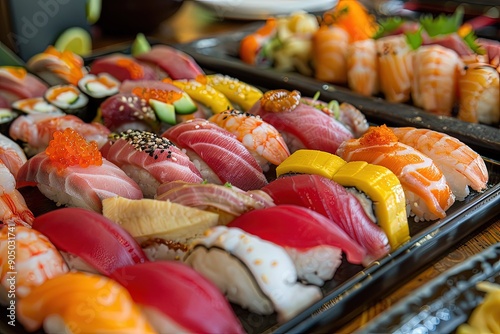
x,y
145,141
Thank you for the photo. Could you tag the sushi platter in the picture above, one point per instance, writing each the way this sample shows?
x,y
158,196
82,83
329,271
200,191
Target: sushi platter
x,y
221,53
342,297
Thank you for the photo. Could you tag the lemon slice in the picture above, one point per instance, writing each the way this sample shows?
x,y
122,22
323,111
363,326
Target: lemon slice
x,y
76,40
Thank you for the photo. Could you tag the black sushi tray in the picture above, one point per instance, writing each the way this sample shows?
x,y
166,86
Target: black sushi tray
x,y
219,53
353,287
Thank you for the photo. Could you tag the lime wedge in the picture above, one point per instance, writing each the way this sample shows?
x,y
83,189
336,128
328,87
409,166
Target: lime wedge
x,y
76,39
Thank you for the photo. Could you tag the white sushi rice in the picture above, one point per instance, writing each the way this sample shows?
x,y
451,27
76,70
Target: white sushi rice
x,y
365,202
416,208
77,263
316,265
143,178
293,143
64,198
206,172
161,252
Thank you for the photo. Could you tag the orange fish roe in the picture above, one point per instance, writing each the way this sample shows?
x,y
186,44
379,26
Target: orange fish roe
x,y
280,100
378,135
136,71
69,148
167,96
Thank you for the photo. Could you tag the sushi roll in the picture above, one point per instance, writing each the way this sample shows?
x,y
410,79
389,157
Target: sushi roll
x,y
72,172
36,105
86,303
256,274
7,116
71,100
149,159
97,88
88,241
174,298
37,260
312,241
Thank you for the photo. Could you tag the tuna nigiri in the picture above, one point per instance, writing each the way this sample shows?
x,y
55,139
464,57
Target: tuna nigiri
x,y
86,303
71,171
462,166
219,156
426,190
36,259
150,160
122,67
314,243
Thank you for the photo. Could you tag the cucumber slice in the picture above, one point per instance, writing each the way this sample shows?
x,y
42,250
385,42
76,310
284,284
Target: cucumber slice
x,y
164,111
185,105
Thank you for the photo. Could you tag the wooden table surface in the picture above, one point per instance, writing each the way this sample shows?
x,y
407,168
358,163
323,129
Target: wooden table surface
x,y
193,22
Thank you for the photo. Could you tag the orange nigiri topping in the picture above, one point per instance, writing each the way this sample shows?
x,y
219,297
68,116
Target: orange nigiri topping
x,y
167,96
136,71
16,71
378,135
69,148
72,60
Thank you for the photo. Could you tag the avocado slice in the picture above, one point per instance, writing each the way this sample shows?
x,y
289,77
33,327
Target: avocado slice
x,y
164,111
140,45
75,39
185,105
93,8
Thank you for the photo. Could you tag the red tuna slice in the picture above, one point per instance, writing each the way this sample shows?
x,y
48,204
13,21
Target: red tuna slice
x,y
332,200
122,68
128,86
175,63
295,226
101,243
158,157
77,186
177,299
306,127
220,151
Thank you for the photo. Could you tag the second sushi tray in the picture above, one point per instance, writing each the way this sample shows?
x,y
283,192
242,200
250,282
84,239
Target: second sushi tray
x,y
353,286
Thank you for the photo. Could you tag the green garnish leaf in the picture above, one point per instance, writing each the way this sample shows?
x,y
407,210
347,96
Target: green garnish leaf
x,y
316,96
228,185
388,25
442,24
334,106
471,40
414,39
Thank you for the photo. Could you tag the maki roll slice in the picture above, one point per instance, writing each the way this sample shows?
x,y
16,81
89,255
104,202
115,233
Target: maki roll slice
x,y
35,105
71,100
98,87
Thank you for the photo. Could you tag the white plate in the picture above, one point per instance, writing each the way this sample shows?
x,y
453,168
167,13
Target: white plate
x,y
262,9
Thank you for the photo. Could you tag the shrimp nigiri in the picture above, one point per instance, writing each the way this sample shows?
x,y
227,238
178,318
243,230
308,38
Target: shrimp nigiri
x,y
435,78
11,154
426,190
259,137
362,67
462,167
37,259
395,67
329,44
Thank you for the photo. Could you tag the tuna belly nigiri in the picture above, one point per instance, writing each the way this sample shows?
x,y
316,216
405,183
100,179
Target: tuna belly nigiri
x,y
462,166
426,190
332,200
71,171
314,243
302,125
219,156
150,160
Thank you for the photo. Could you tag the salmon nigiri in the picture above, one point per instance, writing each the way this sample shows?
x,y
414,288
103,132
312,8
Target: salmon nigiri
x,y
329,44
427,193
462,167
362,67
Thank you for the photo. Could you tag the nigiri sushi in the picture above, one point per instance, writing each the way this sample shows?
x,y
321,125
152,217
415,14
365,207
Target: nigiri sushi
x,y
13,208
329,45
174,298
36,259
88,241
314,243
71,171
436,70
226,200
150,160
11,154
335,202
36,130
261,138
122,67
362,67
17,84
427,193
57,67
395,67
86,303
217,153
301,125
256,274
462,167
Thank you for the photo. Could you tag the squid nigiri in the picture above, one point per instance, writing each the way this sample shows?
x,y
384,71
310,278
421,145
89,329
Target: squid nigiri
x,y
36,130
86,303
149,160
36,259
253,273
219,156
301,125
314,243
461,166
71,171
427,193
174,298
89,241
261,138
